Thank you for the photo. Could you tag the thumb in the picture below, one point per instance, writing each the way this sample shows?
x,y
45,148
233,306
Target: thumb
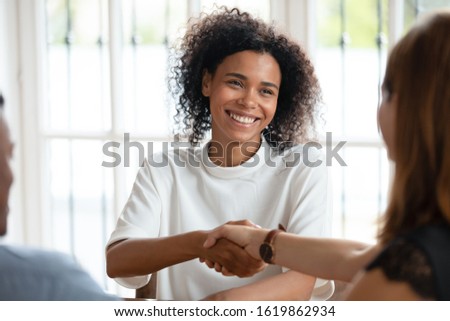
x,y
209,242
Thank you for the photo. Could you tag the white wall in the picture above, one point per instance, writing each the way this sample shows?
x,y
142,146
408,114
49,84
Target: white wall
x,y
9,85
21,63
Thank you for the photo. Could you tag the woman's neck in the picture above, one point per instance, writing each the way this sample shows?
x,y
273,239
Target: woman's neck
x,y
233,153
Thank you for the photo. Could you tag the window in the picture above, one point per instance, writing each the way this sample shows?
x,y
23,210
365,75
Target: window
x,y
351,54
352,41
95,70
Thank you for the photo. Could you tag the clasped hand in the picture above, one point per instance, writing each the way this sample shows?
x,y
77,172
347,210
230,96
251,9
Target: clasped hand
x,y
232,249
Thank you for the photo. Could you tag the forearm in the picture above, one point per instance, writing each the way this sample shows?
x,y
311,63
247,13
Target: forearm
x,y
325,258
134,257
288,286
332,259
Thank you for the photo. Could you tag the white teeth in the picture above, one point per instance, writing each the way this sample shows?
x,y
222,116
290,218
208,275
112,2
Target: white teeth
x,y
242,119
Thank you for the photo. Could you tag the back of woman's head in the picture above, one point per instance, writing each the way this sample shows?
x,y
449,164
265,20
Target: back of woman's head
x,y
418,74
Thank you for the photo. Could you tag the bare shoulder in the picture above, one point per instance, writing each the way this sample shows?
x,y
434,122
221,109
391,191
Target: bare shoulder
x,y
373,285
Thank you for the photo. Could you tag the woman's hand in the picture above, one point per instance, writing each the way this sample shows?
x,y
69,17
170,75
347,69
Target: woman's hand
x,y
231,260
244,234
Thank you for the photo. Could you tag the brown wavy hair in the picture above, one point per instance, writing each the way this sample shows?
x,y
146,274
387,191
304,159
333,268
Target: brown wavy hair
x,y
418,73
222,33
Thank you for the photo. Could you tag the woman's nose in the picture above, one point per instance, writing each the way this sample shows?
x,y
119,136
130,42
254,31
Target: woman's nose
x,y
248,99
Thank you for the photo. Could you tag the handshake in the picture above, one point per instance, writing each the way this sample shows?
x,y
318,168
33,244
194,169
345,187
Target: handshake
x,y
235,248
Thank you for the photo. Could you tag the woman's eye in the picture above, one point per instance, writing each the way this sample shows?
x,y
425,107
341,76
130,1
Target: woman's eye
x,y
267,92
235,83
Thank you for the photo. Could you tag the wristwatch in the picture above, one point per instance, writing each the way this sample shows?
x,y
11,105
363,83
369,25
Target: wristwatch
x,y
267,250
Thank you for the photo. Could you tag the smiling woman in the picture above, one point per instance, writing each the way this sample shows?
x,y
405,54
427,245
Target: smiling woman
x,y
256,90
243,96
207,45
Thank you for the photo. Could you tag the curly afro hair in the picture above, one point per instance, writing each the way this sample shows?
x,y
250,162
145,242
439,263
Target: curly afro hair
x,y
227,31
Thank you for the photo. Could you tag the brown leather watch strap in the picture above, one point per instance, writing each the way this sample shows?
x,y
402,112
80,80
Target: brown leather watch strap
x,y
267,250
271,236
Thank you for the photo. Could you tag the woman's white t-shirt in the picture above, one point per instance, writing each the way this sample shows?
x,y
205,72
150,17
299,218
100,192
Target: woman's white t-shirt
x,y
181,190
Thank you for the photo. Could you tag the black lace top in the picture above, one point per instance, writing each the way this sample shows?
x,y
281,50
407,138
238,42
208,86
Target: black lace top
x,y
421,258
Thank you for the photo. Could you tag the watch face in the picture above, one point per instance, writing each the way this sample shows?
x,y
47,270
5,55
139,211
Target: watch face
x,y
266,253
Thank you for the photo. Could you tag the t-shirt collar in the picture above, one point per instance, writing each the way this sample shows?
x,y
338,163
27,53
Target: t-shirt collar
x,y
246,168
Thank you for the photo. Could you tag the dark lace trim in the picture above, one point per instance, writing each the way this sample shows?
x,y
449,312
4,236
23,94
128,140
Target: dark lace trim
x,y
404,261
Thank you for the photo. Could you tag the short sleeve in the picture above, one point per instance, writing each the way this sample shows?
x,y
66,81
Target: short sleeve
x,y
140,218
141,214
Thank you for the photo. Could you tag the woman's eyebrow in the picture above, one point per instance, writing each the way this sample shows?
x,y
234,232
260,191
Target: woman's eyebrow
x,y
242,77
237,75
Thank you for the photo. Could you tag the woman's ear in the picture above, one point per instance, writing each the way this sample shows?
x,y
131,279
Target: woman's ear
x,y
206,83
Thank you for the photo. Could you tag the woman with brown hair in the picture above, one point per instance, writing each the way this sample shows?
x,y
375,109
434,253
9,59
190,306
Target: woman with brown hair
x,y
411,260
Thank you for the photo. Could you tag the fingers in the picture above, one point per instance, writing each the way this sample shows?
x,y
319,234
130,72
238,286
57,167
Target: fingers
x,y
209,263
225,231
216,266
230,259
216,234
260,266
211,240
225,272
245,222
251,269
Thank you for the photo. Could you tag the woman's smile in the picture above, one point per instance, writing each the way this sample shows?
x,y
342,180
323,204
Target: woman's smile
x,y
242,119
